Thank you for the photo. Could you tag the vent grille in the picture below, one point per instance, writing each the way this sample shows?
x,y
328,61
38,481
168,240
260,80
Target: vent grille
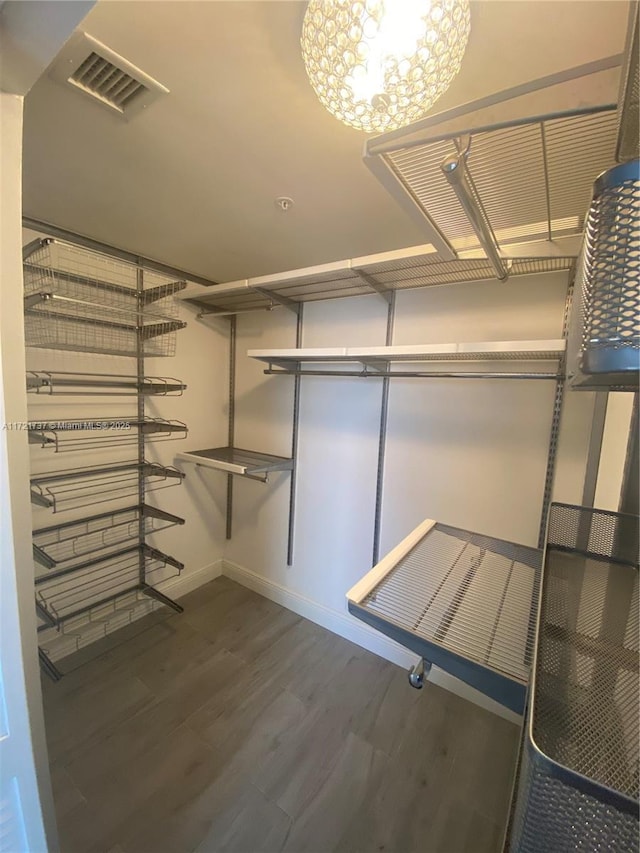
x,y
86,65
106,81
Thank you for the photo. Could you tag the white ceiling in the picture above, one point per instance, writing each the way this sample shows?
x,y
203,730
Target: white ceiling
x,y
192,180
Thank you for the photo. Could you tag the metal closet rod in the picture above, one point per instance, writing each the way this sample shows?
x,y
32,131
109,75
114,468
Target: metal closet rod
x,y
455,170
412,374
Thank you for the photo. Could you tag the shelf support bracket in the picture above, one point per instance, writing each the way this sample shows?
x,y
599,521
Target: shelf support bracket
x,y
370,281
290,304
152,592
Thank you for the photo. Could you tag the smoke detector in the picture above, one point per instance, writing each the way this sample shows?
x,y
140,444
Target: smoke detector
x,y
93,69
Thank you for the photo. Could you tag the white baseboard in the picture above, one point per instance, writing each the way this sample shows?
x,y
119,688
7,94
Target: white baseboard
x,y
190,580
357,632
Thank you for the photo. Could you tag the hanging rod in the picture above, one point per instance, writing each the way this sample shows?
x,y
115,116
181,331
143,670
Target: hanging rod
x,y
214,312
366,374
456,171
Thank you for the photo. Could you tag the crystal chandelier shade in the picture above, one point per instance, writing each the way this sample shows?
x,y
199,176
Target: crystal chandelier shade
x,y
380,64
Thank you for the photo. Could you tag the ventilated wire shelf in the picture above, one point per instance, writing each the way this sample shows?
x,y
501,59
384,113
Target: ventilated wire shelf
x,y
234,460
389,271
57,382
533,176
459,596
81,300
63,544
580,781
82,487
77,435
67,594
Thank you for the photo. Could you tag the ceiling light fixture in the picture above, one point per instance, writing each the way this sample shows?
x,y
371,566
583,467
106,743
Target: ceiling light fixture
x,y
380,64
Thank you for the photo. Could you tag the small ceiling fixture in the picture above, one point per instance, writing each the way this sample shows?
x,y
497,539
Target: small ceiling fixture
x,y
380,64
284,203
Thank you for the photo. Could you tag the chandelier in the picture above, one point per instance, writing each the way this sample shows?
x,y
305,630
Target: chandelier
x,y
380,64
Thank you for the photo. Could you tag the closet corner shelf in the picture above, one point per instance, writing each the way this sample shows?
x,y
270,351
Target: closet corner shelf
x,y
462,601
234,460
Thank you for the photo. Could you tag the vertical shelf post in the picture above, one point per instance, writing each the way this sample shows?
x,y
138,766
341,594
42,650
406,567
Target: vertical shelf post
x,y
555,420
140,415
294,442
232,417
382,439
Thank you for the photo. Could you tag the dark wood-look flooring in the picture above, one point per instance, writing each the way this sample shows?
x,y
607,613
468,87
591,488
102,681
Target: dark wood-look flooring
x,y
239,726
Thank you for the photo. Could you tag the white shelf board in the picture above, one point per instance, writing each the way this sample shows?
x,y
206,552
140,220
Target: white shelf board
x,y
467,351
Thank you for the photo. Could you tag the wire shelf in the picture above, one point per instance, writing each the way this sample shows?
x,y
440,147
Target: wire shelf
x,y
62,544
580,785
81,300
66,595
457,596
533,175
99,433
74,634
59,382
82,487
234,460
415,267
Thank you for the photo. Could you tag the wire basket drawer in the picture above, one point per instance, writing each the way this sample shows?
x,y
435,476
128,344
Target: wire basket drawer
x,y
84,301
579,775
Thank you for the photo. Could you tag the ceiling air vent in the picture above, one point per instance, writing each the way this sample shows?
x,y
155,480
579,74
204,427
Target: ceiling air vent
x,y
97,71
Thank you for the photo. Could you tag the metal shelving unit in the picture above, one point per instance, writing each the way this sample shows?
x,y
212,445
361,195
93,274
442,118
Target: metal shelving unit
x,y
92,571
234,460
579,777
460,600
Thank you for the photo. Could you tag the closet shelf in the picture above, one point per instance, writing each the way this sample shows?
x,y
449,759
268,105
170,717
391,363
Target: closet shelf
x,y
462,601
234,460
378,361
383,273
97,433
532,174
81,487
67,594
58,382
61,544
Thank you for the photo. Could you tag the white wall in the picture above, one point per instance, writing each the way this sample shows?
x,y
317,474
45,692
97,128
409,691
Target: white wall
x,y
613,455
470,453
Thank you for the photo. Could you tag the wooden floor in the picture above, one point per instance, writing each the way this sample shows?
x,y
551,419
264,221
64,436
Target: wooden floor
x,y
238,726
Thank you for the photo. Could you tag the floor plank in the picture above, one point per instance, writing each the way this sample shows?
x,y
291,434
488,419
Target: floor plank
x,y
241,727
